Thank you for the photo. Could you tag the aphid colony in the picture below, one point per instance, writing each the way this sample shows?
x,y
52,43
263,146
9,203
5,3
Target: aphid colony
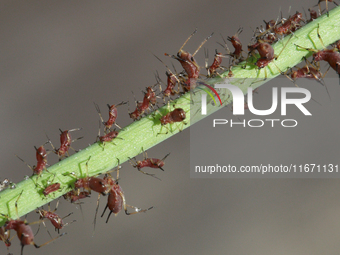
x,y
260,54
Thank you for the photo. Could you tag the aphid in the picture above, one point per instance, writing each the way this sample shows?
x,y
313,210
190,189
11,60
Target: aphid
x,y
116,200
41,156
266,34
65,143
319,4
149,97
270,24
51,188
332,56
148,162
285,27
289,26
113,114
189,64
309,71
108,137
172,80
236,42
175,116
23,229
266,53
74,195
91,183
137,113
54,218
149,100
212,70
313,15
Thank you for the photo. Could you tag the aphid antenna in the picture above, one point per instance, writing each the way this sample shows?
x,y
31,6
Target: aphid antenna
x,y
121,103
71,130
50,142
195,31
225,46
204,41
238,32
25,163
158,80
98,110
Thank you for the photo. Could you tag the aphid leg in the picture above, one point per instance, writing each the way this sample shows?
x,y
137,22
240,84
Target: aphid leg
x,y
283,47
204,41
39,246
95,215
138,210
163,161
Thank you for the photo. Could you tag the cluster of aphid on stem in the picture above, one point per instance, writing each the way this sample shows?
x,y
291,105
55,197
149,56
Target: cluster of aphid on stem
x,y
188,79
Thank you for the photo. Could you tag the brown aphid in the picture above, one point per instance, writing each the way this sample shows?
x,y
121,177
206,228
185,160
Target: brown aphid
x,y
313,15
65,143
109,136
189,64
41,156
290,25
51,188
309,71
149,100
148,162
212,69
177,115
265,51
113,114
116,201
172,80
137,113
332,56
91,183
236,42
54,218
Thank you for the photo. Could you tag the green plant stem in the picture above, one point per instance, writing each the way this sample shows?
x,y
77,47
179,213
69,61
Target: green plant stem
x,y
148,132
